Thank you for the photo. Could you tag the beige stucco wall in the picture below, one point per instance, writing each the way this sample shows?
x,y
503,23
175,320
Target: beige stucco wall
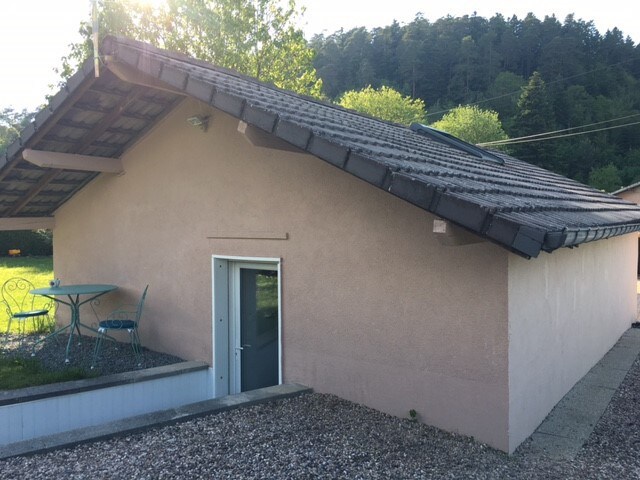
x,y
374,309
631,195
566,310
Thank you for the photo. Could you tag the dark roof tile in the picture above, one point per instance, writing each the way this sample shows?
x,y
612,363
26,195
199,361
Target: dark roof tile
x,y
522,207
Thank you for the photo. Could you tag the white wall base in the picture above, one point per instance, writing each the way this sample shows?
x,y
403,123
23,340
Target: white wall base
x,y
62,412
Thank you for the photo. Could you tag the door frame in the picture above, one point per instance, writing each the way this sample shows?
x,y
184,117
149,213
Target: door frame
x,y
224,379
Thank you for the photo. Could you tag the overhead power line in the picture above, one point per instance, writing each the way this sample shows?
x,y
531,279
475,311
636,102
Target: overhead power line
x,y
553,137
511,140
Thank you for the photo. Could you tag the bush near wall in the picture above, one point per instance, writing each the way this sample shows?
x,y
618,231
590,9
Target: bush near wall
x,y
29,242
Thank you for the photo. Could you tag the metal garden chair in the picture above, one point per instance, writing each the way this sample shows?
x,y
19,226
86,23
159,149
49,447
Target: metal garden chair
x,y
124,318
21,306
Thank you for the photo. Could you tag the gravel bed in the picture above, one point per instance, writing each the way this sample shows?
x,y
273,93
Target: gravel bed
x,y
115,357
321,436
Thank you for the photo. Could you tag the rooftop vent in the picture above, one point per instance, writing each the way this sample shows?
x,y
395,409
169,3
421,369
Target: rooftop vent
x,y
451,141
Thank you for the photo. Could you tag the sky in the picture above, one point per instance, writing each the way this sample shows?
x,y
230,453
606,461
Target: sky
x,y
35,34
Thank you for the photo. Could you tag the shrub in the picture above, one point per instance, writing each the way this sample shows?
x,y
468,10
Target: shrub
x,y
29,242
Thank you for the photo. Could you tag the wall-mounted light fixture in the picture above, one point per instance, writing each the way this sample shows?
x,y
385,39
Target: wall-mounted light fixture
x,y
199,121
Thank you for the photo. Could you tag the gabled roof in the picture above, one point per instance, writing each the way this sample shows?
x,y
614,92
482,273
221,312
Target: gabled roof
x,y
626,189
519,206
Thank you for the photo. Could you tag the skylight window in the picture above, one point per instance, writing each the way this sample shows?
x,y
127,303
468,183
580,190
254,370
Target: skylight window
x,y
453,142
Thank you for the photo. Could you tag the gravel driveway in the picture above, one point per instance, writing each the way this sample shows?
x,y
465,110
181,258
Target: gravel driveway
x,y
321,436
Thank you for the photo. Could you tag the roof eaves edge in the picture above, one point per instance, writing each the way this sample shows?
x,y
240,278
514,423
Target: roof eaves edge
x,y
624,189
40,119
578,236
519,239
111,44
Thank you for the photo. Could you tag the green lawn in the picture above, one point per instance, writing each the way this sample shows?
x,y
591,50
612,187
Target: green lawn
x,y
38,270
16,372
21,373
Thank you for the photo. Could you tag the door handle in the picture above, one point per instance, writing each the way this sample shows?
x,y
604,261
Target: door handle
x,y
246,345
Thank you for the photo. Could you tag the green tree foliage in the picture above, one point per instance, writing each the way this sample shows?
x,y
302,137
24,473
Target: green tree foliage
x,y
605,178
385,103
11,122
589,78
259,38
535,113
29,242
534,116
504,93
472,124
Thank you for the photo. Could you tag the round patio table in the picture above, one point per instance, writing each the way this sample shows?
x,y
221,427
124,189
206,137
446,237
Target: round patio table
x,y
73,293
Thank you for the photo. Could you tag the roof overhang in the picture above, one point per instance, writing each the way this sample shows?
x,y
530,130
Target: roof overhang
x,y
626,189
516,205
27,223
72,161
83,132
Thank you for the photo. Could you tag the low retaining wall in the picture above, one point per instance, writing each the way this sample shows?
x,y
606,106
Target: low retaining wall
x,y
49,409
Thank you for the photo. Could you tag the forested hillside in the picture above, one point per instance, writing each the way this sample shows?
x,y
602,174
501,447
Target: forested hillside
x,y
573,77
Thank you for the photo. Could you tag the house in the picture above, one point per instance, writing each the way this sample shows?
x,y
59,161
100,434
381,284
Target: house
x,y
290,240
631,193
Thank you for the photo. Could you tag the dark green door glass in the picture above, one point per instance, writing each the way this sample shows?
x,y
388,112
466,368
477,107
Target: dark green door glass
x,y
258,328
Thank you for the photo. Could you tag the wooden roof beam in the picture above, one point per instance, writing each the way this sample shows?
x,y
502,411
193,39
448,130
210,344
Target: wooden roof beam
x,y
260,138
108,120
27,223
51,121
72,161
87,140
35,190
452,235
84,107
132,75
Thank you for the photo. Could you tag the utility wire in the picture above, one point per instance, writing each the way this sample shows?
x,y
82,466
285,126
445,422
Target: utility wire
x,y
500,142
529,140
563,79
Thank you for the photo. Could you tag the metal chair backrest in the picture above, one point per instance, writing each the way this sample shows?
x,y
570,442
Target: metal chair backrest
x,y
140,305
16,296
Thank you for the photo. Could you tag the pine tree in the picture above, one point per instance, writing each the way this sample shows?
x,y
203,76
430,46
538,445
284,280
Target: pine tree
x,y
534,116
